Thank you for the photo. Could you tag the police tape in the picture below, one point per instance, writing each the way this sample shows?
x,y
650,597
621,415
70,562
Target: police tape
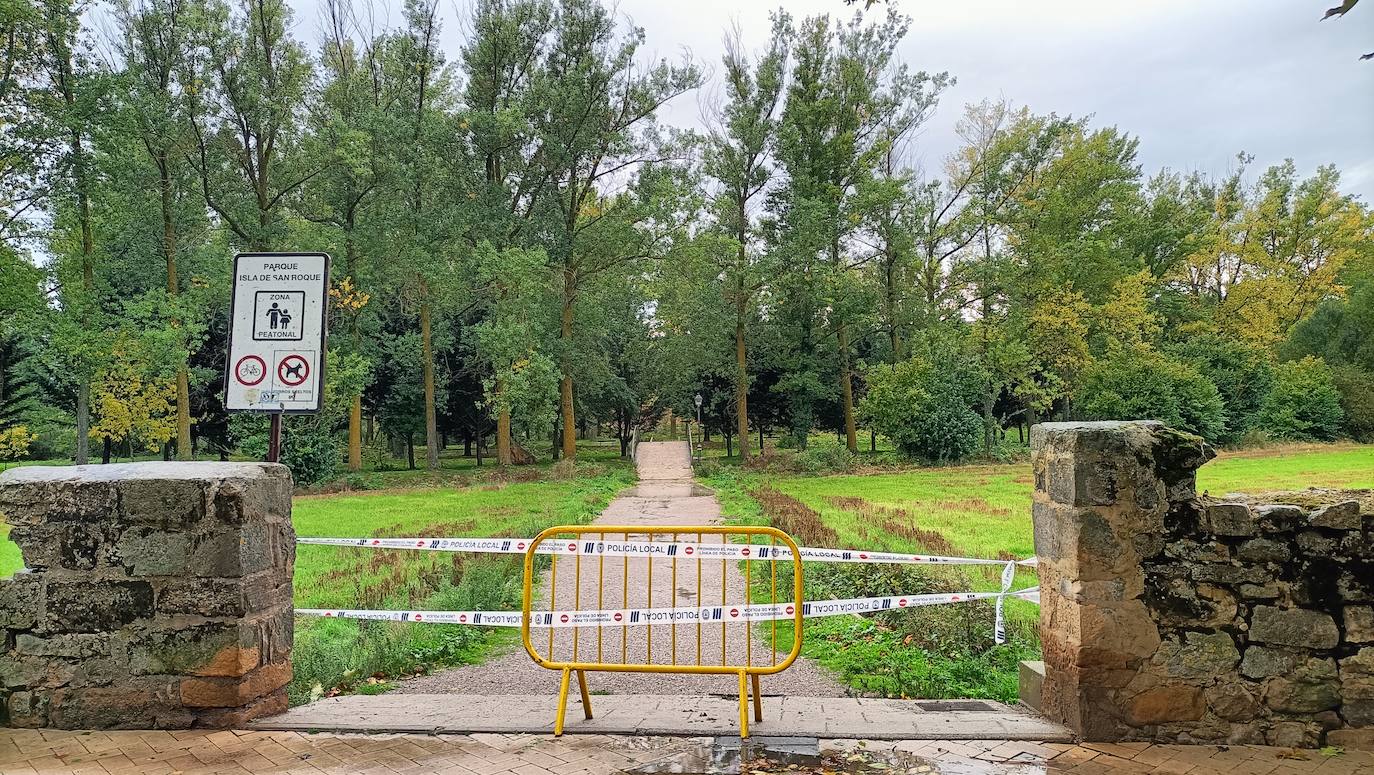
x,y
676,549
635,617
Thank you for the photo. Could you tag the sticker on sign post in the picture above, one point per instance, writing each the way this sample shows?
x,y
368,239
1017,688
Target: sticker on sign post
x,y
277,332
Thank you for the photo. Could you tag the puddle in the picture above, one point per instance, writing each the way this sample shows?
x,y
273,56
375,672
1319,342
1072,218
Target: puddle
x,y
801,756
668,490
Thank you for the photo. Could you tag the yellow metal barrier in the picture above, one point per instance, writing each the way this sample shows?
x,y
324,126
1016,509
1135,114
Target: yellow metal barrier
x,y
568,651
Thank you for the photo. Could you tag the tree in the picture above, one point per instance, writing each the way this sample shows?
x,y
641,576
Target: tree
x,y
347,131
253,79
1140,384
72,105
923,403
155,43
596,126
1304,404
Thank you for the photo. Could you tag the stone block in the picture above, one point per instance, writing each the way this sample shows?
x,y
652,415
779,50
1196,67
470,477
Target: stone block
x,y
1232,700
94,606
1228,519
1264,550
20,600
1352,739
1359,623
235,692
30,495
211,597
71,646
234,718
152,551
1198,655
1293,627
1260,662
1339,516
1313,544
135,703
1165,703
1031,683
27,709
185,649
1280,517
1311,688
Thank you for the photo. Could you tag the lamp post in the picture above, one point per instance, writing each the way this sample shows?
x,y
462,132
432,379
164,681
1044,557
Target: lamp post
x,y
698,400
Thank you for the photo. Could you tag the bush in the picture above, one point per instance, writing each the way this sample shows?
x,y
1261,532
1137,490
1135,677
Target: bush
x,y
311,452
824,457
1243,374
1304,404
1357,400
1136,385
922,404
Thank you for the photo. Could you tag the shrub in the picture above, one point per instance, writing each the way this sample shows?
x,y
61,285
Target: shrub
x,y
1145,385
1357,400
311,452
1304,403
1243,374
824,457
922,404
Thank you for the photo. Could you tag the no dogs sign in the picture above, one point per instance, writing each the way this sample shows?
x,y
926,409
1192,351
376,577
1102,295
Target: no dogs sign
x,y
276,332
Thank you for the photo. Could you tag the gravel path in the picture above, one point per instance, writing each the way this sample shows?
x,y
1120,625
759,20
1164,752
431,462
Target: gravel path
x,y
665,495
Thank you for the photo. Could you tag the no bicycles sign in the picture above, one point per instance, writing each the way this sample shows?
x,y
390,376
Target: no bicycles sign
x,y
276,332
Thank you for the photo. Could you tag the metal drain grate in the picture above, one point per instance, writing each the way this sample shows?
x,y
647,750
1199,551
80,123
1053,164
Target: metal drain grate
x,y
946,706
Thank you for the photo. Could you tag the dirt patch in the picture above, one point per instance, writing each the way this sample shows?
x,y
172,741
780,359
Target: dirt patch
x,y
795,518
894,521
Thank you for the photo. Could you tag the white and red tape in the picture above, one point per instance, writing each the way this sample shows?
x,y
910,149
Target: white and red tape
x,y
679,549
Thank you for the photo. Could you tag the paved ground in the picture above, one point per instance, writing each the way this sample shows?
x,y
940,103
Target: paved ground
x,y
665,495
819,717
29,752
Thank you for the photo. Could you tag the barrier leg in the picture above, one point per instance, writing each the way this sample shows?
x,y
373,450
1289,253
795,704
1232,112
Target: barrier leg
x,y
758,700
586,697
562,703
743,704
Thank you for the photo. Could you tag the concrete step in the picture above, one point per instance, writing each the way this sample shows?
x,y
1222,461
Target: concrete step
x,y
820,717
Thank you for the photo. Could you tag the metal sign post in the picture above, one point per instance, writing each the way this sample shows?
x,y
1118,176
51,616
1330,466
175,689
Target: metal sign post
x,y
278,322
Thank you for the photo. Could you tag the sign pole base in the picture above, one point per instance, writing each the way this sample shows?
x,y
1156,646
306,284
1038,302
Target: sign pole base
x,y
274,439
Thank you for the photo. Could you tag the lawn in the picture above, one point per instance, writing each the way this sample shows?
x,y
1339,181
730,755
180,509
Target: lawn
x,y
969,511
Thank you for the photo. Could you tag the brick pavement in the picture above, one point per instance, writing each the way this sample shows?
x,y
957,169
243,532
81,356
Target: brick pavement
x,y
30,752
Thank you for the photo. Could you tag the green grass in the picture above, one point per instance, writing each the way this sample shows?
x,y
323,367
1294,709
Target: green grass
x,y
336,654
10,559
970,511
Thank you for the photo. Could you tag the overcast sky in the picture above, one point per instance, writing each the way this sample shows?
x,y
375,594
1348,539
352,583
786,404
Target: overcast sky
x,y
1197,82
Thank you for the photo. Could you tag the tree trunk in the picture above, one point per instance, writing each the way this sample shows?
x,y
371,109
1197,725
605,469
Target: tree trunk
x,y
83,422
851,437
760,438
729,448
355,434
503,457
741,383
169,254
410,450
565,385
431,421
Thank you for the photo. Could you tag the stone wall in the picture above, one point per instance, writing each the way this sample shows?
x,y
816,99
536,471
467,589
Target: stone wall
x,y
156,595
1169,618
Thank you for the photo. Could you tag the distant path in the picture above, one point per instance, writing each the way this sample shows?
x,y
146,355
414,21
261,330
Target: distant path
x,y
665,495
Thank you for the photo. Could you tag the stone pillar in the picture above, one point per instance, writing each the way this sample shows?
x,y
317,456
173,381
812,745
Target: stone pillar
x,y
155,595
1104,493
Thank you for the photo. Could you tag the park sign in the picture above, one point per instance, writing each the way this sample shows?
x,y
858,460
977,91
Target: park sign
x,y
276,333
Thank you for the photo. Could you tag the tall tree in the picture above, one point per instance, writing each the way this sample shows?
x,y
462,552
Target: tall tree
x,y
155,42
595,127
737,159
